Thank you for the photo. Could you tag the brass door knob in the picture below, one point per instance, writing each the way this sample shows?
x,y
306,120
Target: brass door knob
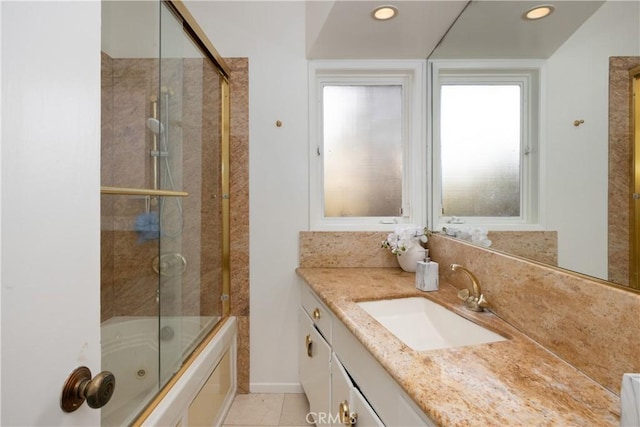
x,y
80,387
316,314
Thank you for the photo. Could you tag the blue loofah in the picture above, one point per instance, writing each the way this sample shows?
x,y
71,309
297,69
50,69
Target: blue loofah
x,y
148,227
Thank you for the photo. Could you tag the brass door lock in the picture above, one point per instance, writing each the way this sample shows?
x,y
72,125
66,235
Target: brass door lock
x,y
80,387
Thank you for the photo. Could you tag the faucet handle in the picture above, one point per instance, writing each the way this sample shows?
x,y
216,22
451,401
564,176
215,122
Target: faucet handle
x,y
463,294
482,302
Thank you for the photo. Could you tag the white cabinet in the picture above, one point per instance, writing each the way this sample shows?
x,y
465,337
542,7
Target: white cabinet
x,y
314,355
344,383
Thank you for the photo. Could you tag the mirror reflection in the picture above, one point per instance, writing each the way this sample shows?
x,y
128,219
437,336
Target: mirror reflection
x,y
577,154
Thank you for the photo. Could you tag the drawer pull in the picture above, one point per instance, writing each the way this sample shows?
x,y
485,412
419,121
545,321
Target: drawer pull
x,y
347,418
308,342
316,314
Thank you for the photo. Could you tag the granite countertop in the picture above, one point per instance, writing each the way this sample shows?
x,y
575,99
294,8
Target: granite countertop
x,y
515,382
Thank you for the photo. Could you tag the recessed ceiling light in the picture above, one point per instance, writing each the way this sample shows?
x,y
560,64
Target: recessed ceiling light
x,y
384,13
538,12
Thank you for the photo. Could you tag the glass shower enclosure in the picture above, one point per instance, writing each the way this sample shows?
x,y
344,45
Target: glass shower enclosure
x,y
164,214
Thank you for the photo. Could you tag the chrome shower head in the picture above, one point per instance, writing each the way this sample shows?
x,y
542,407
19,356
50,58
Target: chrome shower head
x,y
155,126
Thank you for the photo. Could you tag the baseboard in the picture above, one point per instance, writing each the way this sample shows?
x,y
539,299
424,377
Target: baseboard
x,y
275,388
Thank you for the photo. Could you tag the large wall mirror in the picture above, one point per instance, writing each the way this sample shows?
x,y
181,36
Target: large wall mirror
x,y
588,50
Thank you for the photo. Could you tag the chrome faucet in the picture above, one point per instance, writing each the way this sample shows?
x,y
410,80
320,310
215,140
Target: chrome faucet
x,y
474,301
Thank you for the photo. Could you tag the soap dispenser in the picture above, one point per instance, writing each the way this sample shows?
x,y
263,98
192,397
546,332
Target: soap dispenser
x,y
427,274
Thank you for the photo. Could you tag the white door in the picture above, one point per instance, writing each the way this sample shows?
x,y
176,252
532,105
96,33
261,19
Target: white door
x,y
50,206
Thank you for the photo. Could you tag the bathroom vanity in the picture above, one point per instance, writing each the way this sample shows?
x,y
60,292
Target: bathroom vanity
x,y
342,380
351,364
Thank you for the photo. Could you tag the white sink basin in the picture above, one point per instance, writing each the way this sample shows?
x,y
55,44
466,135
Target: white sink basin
x,y
424,325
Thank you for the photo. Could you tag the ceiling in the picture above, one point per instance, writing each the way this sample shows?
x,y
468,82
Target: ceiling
x,y
495,29
344,29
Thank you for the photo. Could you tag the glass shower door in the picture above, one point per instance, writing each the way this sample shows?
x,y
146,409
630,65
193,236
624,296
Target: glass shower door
x,y
162,206
190,259
129,241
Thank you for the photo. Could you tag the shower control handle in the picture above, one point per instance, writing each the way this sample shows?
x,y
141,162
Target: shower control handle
x,y
80,387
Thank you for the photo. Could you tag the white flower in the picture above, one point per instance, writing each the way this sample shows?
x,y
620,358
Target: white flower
x,y
404,238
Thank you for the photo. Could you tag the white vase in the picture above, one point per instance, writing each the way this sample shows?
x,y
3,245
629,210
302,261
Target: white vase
x,y
409,259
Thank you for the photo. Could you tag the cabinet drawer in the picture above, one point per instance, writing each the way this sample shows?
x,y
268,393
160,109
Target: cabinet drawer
x,y
318,313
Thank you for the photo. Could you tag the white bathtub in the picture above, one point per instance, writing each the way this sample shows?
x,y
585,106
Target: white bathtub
x,y
131,350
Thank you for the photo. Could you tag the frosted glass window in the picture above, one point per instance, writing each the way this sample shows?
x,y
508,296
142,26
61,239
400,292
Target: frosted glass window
x,y
362,140
480,148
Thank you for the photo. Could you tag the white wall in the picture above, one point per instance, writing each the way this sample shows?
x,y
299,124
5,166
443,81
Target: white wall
x,y
272,36
577,157
50,203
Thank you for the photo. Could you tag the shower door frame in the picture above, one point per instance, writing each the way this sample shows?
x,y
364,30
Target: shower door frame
x,y
194,30
634,120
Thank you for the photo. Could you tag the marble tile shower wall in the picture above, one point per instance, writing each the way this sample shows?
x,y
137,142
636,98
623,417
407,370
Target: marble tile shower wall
x,y
129,282
239,206
127,289
589,324
210,208
201,236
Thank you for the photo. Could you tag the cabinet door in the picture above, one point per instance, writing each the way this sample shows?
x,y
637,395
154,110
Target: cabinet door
x,y
340,390
366,417
314,358
348,404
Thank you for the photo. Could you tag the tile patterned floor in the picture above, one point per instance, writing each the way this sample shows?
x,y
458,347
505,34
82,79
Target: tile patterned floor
x,y
259,409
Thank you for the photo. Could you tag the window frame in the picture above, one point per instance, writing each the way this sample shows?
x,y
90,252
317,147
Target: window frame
x,y
411,75
530,74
